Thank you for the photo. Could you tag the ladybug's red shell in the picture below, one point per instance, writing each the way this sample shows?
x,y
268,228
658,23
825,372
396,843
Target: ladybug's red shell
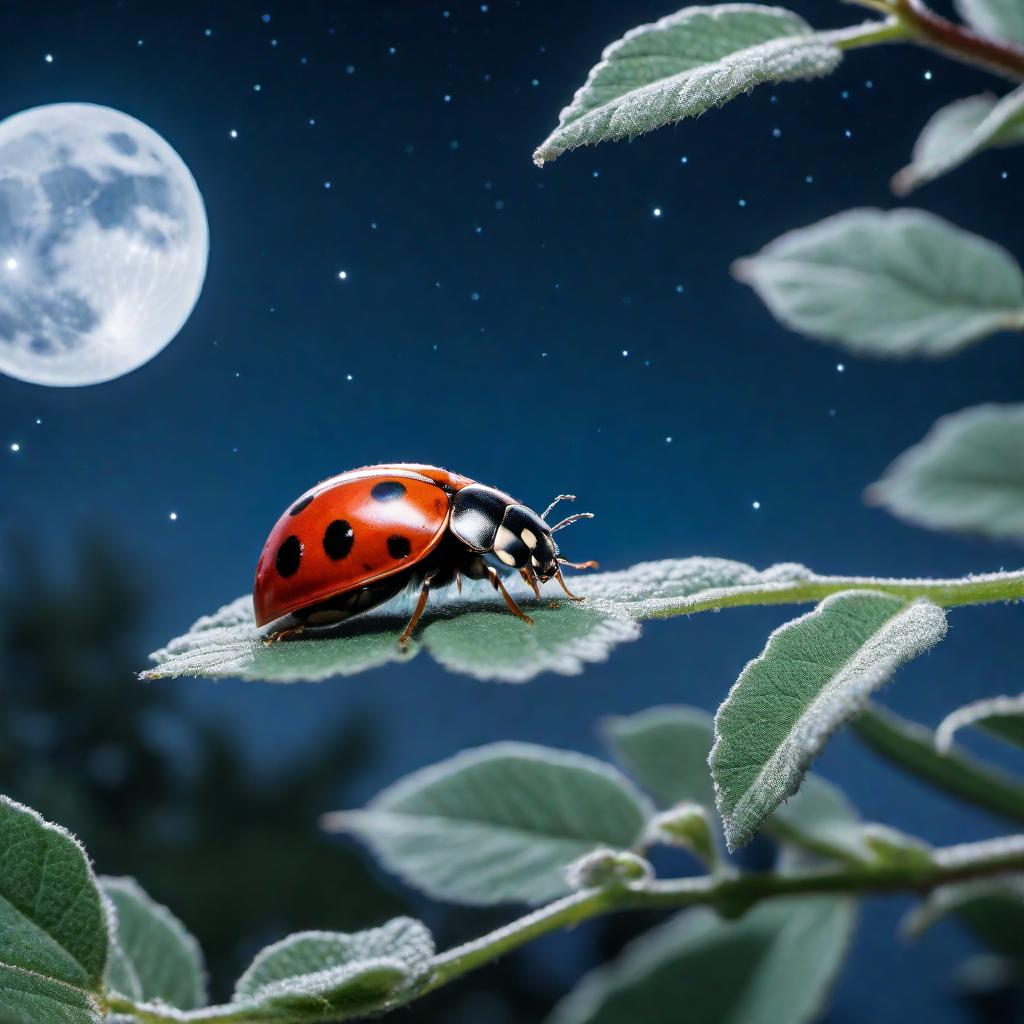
x,y
349,531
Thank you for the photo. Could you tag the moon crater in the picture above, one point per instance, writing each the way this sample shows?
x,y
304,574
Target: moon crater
x,y
103,244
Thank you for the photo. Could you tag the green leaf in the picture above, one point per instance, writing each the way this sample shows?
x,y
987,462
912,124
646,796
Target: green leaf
x,y
682,66
819,818
912,747
27,998
498,824
959,132
153,955
815,673
1000,716
473,633
888,284
314,974
967,474
992,909
998,19
776,963
53,924
666,750
357,989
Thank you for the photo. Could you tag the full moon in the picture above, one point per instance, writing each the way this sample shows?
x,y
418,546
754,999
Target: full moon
x,y
103,244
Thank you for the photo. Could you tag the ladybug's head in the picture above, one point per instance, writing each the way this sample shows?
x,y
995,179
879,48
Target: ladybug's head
x,y
524,540
490,522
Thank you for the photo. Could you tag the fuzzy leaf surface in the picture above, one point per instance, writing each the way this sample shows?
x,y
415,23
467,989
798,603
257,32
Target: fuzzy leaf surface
x,y
888,284
778,962
815,673
338,973
27,998
683,65
967,474
154,957
54,935
498,824
960,131
998,19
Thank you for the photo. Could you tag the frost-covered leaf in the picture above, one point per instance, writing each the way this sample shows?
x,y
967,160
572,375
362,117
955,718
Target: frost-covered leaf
x,y
1001,716
912,747
682,66
666,750
967,474
888,284
993,909
998,19
475,634
153,956
53,924
960,131
814,673
776,963
472,632
498,824
356,973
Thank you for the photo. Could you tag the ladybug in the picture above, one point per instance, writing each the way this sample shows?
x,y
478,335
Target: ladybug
x,y
360,538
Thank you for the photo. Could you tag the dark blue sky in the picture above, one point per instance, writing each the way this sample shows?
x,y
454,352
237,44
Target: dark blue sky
x,y
543,331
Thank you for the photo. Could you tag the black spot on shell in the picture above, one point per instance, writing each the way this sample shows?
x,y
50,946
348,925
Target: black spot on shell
x,y
299,506
338,539
399,546
289,555
387,490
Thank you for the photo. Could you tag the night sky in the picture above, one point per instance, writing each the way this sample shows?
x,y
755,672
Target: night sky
x,y
391,279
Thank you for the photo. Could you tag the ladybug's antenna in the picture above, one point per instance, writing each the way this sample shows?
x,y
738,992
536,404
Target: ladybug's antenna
x,y
569,520
561,497
576,565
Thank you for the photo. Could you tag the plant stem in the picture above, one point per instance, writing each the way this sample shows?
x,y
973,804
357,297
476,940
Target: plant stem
x,y
870,33
985,589
958,41
732,896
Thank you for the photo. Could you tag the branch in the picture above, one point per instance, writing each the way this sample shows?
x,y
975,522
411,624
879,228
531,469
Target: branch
x,y
733,895
958,41
730,894
984,589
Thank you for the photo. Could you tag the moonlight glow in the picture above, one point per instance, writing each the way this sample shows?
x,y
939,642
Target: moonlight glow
x,y
103,244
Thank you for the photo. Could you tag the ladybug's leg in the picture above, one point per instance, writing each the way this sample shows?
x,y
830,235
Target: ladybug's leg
x,y
403,640
561,583
284,634
495,579
531,579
